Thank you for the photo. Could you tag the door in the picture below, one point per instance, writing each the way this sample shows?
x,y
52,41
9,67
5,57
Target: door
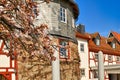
x,y
113,77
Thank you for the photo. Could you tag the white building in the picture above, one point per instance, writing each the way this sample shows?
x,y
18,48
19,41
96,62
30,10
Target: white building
x,y
83,53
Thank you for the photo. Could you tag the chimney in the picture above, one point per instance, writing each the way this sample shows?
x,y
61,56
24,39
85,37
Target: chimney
x,y
81,28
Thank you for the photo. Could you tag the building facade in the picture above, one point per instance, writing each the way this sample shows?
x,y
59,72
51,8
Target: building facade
x,y
82,39
83,53
60,16
110,48
96,43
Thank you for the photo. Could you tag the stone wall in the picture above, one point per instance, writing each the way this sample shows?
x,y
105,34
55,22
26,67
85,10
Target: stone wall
x,y
40,68
70,68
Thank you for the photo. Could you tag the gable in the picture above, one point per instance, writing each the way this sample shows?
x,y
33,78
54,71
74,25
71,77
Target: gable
x,y
115,35
110,35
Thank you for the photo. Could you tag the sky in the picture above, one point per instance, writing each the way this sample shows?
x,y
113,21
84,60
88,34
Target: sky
x,y
100,16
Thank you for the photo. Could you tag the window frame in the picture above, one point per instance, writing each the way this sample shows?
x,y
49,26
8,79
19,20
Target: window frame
x,y
82,71
97,41
96,56
63,14
118,58
113,45
110,58
67,55
82,47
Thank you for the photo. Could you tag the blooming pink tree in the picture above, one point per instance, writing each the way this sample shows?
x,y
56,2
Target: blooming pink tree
x,y
19,33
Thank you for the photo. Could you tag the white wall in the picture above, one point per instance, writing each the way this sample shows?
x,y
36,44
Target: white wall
x,y
92,62
4,61
84,58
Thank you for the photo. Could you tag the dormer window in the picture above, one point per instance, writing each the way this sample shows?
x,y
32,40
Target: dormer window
x,y
111,35
96,38
112,42
97,41
113,45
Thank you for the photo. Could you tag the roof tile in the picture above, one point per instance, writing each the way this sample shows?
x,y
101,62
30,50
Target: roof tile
x,y
116,35
104,46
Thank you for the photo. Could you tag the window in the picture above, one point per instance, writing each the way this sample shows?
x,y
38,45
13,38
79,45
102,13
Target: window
x,y
97,41
109,58
113,45
63,50
96,56
82,47
111,35
83,72
118,58
63,17
95,73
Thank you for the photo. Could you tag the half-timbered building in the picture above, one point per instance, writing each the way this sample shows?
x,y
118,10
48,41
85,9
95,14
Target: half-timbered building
x,y
8,67
60,16
110,47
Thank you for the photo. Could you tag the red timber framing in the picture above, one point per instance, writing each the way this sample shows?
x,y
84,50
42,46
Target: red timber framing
x,y
111,54
93,63
8,66
92,58
65,51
